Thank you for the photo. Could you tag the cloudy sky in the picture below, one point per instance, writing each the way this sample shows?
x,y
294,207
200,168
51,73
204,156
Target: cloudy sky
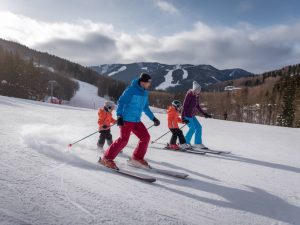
x,y
256,35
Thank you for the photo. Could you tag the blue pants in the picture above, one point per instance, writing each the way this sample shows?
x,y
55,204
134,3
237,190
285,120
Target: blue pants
x,y
194,128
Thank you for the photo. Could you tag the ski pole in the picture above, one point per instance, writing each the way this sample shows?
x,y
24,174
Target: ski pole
x,y
150,127
160,137
164,144
182,126
166,134
70,145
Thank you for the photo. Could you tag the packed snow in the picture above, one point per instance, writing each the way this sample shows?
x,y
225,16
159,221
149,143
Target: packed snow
x,y
104,68
118,71
86,97
185,74
169,82
232,73
215,78
42,181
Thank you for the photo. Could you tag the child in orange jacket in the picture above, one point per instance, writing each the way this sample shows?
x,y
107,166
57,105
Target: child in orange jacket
x,y
173,120
105,120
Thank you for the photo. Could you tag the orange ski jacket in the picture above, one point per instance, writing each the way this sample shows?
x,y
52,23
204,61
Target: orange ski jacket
x,y
173,117
105,118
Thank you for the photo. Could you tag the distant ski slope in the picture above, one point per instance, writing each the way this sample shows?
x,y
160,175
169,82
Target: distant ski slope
x,y
86,97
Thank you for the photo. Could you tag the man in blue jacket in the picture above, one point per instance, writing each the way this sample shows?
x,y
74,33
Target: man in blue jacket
x,y
131,104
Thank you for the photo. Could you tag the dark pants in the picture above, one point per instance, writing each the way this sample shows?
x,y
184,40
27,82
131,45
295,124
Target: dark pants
x,y
105,135
176,132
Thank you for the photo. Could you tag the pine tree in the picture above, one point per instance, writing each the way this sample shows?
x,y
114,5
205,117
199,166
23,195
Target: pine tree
x,y
289,87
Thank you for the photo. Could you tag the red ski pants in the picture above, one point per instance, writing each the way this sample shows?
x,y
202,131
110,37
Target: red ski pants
x,y
139,129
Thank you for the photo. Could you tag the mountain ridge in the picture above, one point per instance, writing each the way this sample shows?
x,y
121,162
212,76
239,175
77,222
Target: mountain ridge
x,y
176,77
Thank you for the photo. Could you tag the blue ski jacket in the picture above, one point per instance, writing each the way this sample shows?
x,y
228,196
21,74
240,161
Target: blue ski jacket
x,y
133,102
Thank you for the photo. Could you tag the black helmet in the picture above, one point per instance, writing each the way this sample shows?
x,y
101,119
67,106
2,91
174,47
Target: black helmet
x,y
177,104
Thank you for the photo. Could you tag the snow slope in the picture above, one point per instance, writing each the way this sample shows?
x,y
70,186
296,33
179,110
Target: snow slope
x,y
44,182
169,79
118,71
87,97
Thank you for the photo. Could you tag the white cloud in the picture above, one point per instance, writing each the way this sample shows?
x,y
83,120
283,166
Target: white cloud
x,y
166,7
75,41
89,43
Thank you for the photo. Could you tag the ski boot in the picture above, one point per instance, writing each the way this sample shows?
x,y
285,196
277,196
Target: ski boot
x,y
200,146
172,147
108,163
140,163
185,146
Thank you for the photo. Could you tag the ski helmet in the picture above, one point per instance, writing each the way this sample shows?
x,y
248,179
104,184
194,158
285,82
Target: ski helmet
x,y
109,104
177,104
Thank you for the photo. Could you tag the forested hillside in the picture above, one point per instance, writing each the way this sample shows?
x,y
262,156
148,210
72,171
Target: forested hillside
x,y
15,55
270,98
21,78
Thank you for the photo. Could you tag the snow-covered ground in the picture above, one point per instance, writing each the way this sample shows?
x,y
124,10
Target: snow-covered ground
x,y
169,82
87,97
169,79
118,71
42,181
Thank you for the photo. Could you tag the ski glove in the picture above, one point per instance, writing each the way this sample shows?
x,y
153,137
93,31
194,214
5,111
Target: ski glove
x,y
120,121
185,121
104,126
206,115
156,121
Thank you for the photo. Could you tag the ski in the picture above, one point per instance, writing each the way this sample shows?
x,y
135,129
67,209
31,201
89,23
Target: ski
x,y
135,175
171,173
210,151
195,151
138,176
199,152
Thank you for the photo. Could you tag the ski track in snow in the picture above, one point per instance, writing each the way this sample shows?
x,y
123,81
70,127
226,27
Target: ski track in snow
x,y
42,181
71,201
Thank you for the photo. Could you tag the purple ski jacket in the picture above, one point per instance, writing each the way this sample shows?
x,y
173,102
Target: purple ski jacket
x,y
190,104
